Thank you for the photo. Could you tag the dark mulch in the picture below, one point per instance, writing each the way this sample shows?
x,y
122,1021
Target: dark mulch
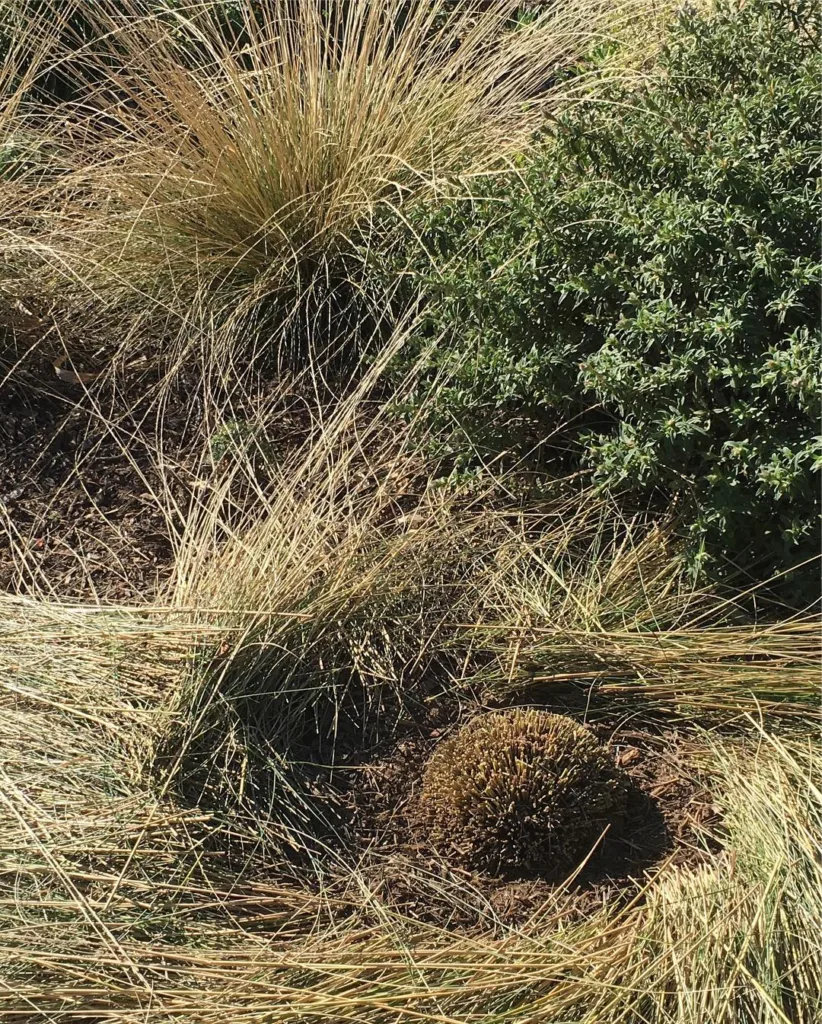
x,y
79,518
670,818
95,479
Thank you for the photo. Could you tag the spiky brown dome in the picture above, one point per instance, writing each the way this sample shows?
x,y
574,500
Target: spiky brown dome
x,y
520,789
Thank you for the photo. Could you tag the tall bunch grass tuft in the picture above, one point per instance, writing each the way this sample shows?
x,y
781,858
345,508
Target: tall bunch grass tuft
x,y
238,162
591,598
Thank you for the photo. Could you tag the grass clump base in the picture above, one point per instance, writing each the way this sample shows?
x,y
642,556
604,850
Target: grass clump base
x,y
520,790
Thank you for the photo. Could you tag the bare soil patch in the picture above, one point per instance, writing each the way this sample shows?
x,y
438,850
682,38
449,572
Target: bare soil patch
x,y
94,478
78,485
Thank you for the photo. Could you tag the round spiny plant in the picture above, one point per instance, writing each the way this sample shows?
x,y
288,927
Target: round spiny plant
x,y
520,790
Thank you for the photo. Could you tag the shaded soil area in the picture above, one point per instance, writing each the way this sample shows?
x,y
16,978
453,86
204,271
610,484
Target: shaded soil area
x,y
96,478
79,479
670,818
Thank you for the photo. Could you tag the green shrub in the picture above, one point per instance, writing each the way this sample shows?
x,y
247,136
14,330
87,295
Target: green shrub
x,y
643,297
520,789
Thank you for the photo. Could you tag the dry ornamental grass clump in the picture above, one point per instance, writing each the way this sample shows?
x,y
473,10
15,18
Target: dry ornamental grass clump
x,y
520,790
